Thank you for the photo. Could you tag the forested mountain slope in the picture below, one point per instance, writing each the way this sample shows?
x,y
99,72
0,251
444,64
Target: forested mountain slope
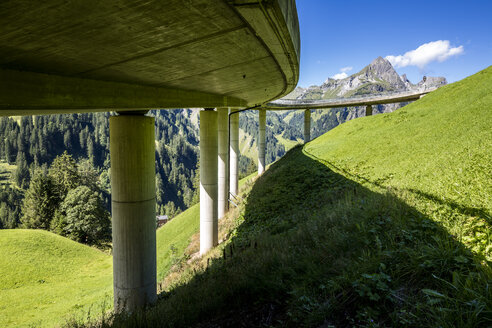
x,y
32,143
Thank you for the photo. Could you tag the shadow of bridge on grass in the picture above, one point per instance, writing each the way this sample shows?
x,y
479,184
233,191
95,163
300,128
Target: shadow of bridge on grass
x,y
319,249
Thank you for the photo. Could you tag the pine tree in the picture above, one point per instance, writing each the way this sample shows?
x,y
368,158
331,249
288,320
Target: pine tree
x,y
40,202
64,174
67,140
21,174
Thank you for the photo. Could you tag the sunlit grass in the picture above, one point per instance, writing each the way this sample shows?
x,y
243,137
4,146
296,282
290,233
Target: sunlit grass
x,y
45,278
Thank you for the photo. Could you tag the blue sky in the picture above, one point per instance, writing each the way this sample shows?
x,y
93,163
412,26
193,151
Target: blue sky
x,y
338,34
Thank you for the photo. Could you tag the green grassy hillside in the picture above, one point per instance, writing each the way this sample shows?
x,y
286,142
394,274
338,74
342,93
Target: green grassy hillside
x,y
44,277
437,150
174,237
384,221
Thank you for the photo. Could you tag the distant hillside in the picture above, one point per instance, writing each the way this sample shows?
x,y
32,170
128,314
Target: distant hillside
x,y
349,232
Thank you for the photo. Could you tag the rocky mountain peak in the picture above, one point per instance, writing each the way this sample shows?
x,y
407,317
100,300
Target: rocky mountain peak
x,y
380,62
382,69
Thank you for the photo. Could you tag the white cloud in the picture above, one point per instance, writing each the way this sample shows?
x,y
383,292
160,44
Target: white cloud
x,y
339,76
343,73
428,52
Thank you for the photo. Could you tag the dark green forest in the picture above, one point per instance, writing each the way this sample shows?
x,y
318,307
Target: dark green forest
x,y
32,143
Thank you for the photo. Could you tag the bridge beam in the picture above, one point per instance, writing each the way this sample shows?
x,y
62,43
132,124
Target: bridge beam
x,y
223,187
234,154
208,180
368,110
261,141
307,125
132,150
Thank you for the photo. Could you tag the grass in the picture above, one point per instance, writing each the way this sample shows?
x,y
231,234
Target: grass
x,y
437,149
382,222
44,277
174,237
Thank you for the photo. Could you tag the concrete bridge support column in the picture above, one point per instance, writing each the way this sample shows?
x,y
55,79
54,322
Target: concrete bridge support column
x,y
368,110
261,141
234,154
307,125
208,180
223,187
132,150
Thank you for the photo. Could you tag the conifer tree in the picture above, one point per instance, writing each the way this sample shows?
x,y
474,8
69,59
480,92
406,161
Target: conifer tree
x,y
40,202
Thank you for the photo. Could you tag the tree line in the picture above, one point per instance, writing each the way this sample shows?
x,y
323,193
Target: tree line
x,y
33,143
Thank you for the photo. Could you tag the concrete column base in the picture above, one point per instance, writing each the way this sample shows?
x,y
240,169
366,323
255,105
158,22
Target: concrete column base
x,y
307,125
223,185
208,180
132,150
234,155
261,141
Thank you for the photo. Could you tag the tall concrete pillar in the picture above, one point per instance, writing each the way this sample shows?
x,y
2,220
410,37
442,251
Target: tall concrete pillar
x,y
234,155
223,187
132,150
368,110
307,125
261,141
208,180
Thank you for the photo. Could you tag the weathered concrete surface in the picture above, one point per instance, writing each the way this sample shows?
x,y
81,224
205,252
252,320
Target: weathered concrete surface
x,y
58,56
307,125
368,110
234,155
208,180
132,150
223,181
261,141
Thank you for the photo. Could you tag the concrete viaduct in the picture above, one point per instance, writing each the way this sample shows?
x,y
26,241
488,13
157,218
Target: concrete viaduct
x,y
132,56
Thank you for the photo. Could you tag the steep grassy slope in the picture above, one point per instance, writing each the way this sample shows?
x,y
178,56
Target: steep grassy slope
x,y
44,277
438,149
174,237
383,222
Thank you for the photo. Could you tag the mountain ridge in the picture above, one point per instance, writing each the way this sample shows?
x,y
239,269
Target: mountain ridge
x,y
378,76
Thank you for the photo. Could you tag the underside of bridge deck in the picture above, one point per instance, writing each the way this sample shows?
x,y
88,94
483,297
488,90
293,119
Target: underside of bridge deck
x,y
60,56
